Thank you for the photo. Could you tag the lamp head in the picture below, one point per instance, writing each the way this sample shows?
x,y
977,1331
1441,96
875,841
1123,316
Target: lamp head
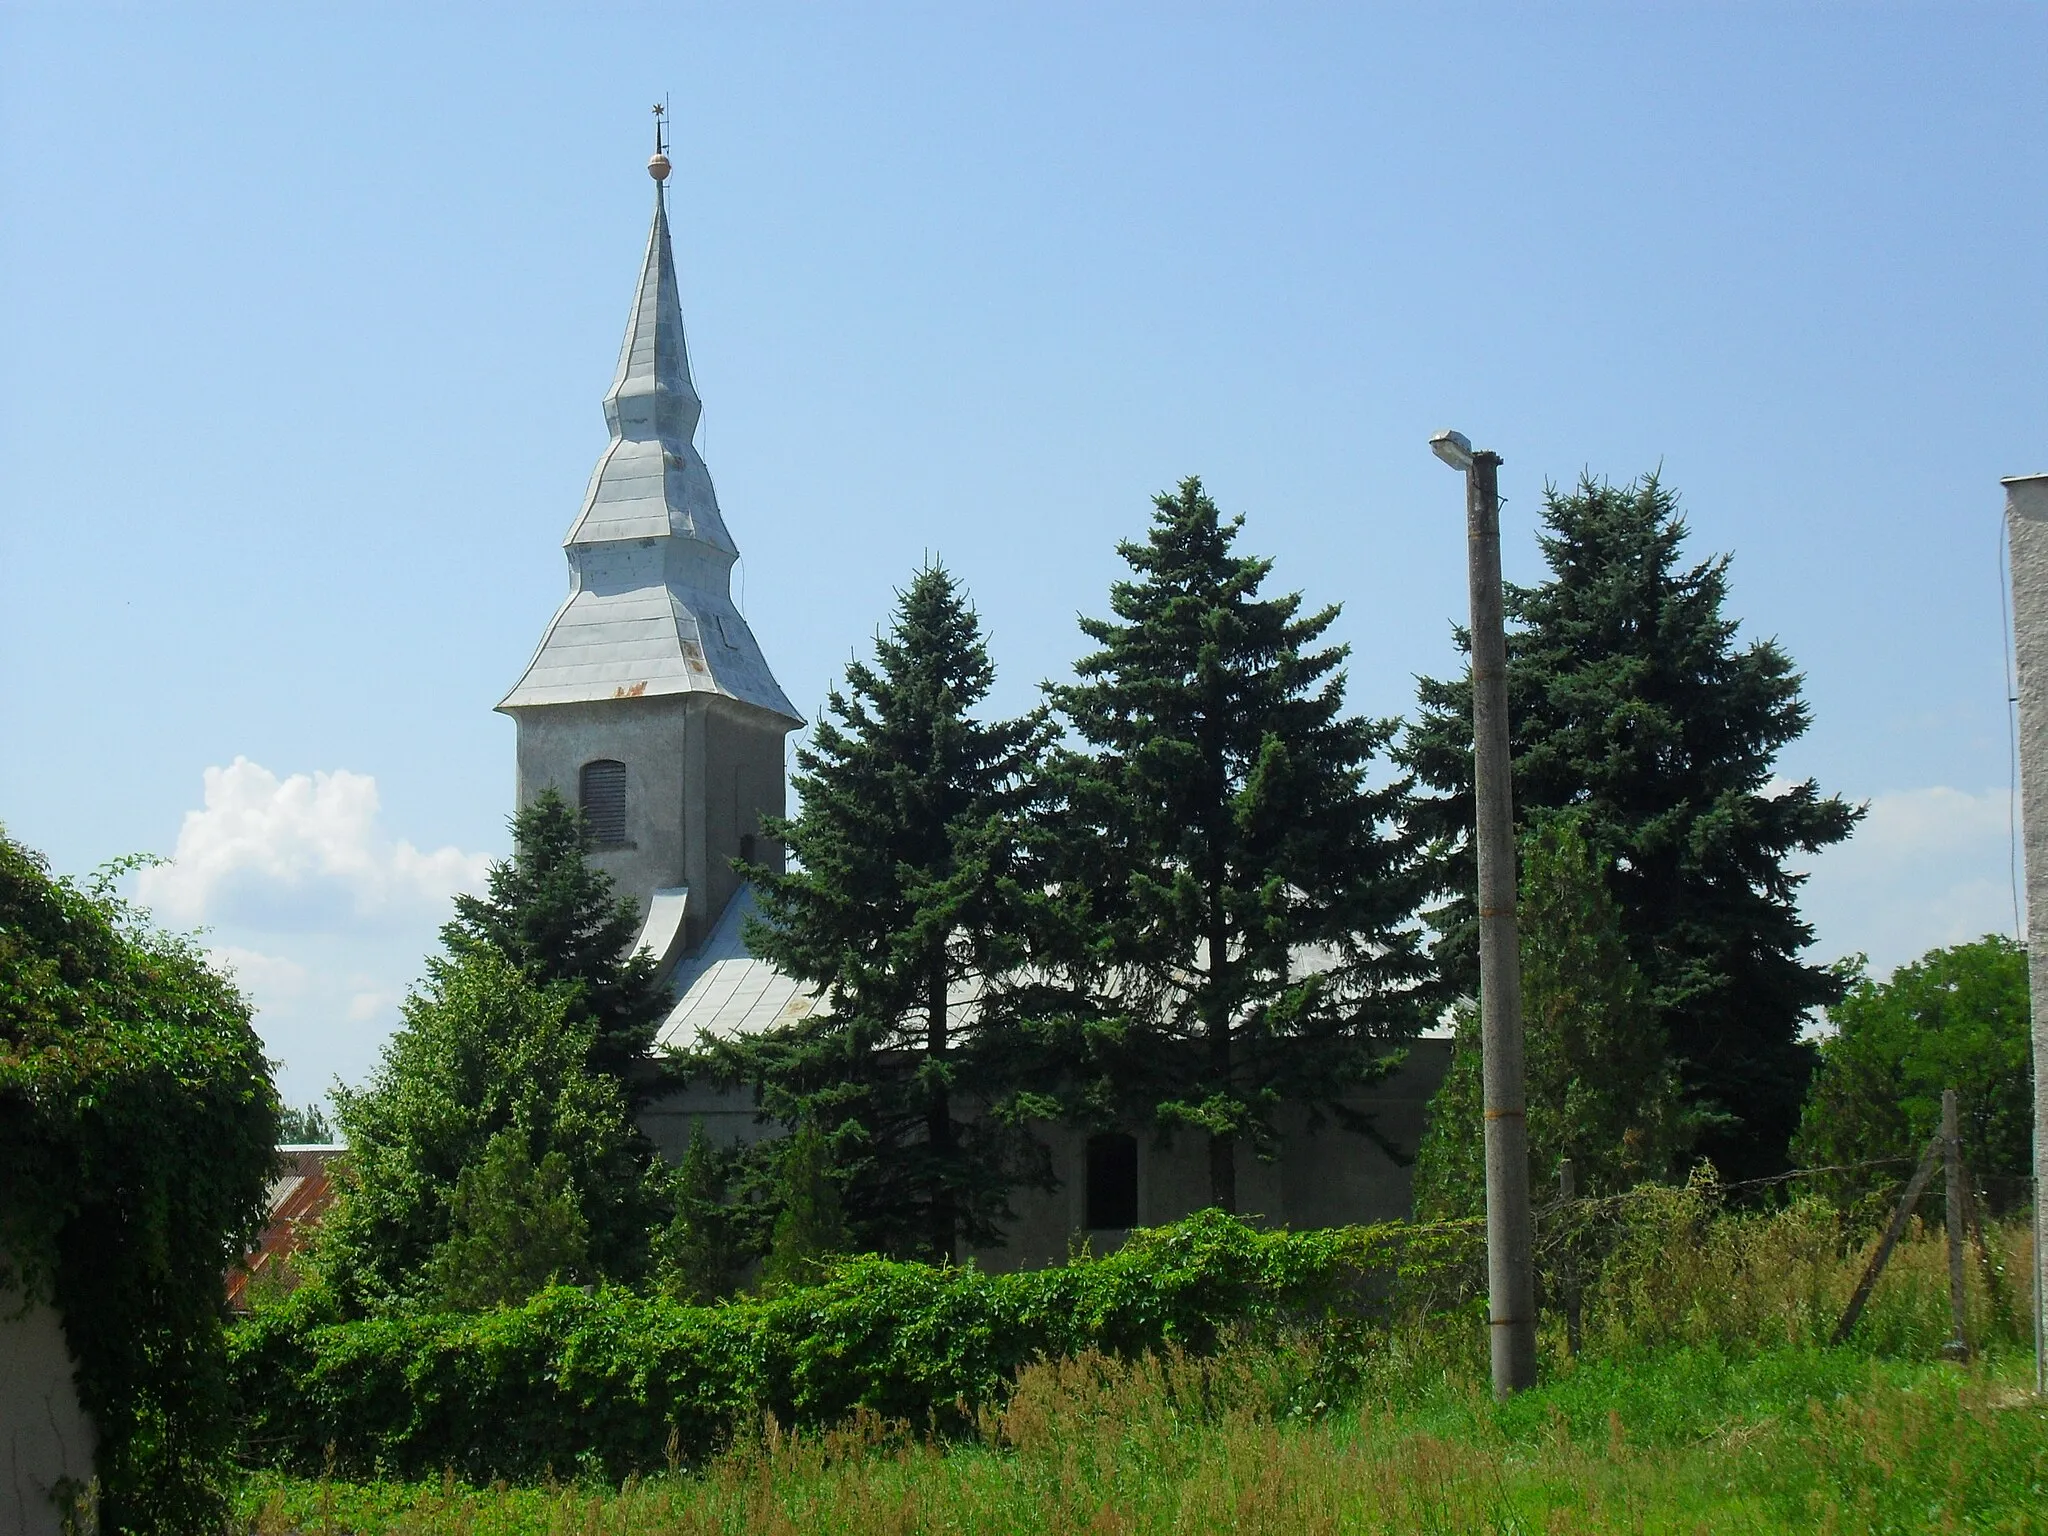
x,y
1454,448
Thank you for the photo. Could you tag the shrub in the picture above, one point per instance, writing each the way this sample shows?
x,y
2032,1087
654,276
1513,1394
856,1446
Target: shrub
x,y
613,1383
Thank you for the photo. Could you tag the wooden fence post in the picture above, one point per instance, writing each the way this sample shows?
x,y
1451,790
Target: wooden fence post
x,y
1568,1191
1958,1346
1892,1233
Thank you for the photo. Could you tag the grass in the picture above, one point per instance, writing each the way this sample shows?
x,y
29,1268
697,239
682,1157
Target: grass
x,y
1679,1439
1706,1401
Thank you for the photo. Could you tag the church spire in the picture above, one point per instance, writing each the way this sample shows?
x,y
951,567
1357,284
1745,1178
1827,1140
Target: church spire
x,y
650,561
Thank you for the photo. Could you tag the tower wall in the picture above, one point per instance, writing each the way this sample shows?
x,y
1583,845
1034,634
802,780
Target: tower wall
x,y
701,773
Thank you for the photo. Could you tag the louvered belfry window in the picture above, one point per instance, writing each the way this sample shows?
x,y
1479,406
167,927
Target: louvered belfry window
x,y
603,798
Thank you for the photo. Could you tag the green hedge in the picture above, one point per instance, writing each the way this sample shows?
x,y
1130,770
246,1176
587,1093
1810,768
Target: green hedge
x,y
614,1383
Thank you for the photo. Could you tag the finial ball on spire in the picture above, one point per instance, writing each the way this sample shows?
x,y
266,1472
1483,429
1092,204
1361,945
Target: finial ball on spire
x,y
658,166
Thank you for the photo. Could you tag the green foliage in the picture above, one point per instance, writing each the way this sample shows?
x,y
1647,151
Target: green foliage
x,y
909,884
303,1127
1205,1377
483,1051
560,921
706,1245
617,1383
1955,1018
1219,824
138,1128
1601,1087
513,1228
810,1225
1632,705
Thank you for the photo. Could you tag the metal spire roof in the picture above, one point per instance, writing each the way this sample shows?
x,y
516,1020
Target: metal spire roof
x,y
650,606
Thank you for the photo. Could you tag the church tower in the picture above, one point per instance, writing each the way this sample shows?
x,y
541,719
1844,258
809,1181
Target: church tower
x,y
649,703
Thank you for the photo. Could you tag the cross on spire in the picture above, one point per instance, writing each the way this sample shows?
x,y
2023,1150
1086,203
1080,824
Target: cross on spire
x,y
658,166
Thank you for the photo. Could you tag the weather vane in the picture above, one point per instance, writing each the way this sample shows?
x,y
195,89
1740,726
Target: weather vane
x,y
658,167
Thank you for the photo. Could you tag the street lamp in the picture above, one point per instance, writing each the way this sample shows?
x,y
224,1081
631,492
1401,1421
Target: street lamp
x,y
1510,1279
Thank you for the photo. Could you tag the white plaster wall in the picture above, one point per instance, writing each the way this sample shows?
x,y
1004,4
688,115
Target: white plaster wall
x,y
2026,524
649,737
741,771
1323,1177
45,1436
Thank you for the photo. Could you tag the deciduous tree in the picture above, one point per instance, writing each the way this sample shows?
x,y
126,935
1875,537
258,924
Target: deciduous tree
x,y
1955,1018
483,1054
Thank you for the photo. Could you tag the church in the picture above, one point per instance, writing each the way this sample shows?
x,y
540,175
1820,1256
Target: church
x,y
650,704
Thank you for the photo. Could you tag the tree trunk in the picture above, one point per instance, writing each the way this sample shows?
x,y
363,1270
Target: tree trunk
x,y
939,1115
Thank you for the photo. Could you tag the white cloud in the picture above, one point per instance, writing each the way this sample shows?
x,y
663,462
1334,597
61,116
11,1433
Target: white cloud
x,y
364,1006
305,852
267,980
1926,868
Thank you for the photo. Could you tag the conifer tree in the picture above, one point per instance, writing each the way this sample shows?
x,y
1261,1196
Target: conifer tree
x,y
514,1227
1632,705
810,1224
1249,898
559,920
907,887
1602,1089
704,1247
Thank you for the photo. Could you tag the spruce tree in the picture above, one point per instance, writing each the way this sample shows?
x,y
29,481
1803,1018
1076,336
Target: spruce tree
x,y
810,1224
1249,898
705,1246
1632,705
559,920
907,887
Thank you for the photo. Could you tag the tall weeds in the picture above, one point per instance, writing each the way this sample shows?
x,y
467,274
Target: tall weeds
x,y
1666,1265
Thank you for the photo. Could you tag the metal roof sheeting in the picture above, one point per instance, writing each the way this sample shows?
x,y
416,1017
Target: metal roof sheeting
x,y
650,606
725,990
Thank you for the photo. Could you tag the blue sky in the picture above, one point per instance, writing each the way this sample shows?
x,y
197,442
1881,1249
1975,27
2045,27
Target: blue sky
x,y
306,317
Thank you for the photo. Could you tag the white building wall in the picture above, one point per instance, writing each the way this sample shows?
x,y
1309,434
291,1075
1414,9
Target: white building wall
x,y
46,1440
1324,1177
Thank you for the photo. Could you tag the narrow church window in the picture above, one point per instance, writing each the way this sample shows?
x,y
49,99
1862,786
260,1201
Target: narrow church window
x,y
603,797
1112,1181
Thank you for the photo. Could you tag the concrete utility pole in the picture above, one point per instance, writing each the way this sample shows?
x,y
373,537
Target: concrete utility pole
x,y
2026,531
1510,1270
